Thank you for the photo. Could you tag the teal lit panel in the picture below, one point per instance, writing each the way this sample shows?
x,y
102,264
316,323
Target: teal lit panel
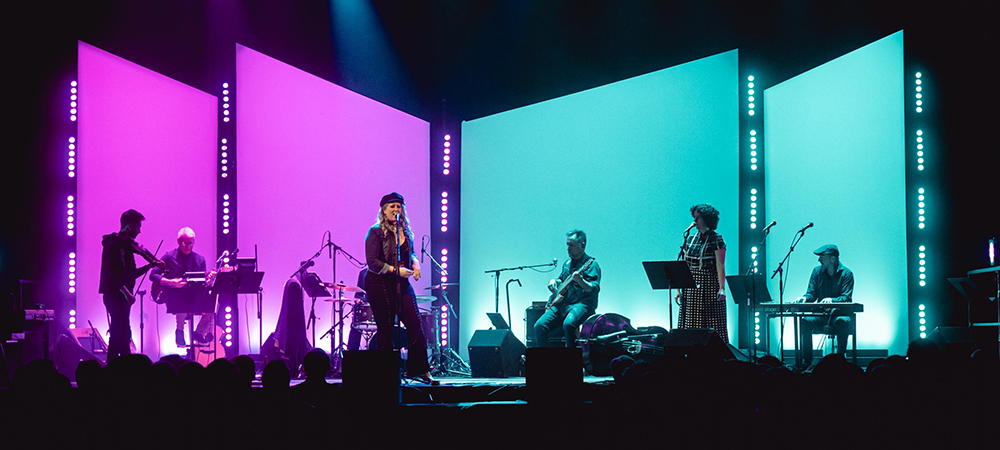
x,y
834,155
624,162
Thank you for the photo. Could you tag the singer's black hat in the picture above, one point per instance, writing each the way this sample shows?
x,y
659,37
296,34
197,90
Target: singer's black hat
x,y
391,198
828,249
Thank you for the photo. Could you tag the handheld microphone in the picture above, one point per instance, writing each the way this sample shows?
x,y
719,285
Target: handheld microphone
x,y
329,245
225,253
806,227
308,264
688,229
768,227
422,248
555,261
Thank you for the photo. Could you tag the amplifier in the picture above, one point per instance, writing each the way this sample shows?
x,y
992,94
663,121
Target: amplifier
x,y
531,315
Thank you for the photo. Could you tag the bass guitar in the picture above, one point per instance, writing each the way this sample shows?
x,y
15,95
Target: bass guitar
x,y
559,295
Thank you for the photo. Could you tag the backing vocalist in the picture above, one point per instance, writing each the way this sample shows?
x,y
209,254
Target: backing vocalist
x,y
704,306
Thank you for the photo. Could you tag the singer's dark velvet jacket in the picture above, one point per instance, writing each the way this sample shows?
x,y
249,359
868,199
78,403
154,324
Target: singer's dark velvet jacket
x,y
380,251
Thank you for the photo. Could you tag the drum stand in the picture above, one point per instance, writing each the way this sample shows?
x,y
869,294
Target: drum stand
x,y
337,353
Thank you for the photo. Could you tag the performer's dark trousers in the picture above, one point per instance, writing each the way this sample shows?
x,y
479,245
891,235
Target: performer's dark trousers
x,y
809,326
386,305
570,317
121,333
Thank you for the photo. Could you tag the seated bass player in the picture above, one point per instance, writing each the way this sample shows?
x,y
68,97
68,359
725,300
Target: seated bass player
x,y
574,293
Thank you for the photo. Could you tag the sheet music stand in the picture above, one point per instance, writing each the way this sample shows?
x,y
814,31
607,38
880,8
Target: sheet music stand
x,y
972,293
750,290
668,275
498,321
237,282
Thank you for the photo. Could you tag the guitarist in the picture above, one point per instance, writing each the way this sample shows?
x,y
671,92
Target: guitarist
x,y
118,274
570,306
169,280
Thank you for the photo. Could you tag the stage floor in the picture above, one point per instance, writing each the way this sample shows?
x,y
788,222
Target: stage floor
x,y
465,391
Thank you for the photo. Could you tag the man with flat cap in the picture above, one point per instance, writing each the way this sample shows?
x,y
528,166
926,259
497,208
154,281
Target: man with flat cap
x,y
830,282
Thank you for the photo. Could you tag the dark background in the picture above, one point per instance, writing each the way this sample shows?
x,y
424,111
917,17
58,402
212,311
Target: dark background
x,y
448,61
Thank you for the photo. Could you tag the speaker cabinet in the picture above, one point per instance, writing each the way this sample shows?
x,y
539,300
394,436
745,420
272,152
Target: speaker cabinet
x,y
531,315
67,354
495,354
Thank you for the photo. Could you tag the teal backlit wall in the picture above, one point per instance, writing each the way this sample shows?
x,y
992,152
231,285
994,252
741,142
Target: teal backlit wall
x,y
624,162
834,155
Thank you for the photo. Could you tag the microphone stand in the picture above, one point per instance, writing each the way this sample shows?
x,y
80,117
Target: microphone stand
x,y
399,289
670,295
496,279
301,272
443,272
336,352
781,294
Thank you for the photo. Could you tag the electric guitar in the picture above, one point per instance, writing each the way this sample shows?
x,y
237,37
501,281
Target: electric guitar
x,y
559,295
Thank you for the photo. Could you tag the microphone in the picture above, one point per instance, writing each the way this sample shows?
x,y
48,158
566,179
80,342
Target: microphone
x,y
329,244
422,248
806,227
555,261
225,253
688,229
518,282
768,227
308,264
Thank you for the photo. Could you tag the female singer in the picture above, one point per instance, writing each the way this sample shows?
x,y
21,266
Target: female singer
x,y
388,286
705,253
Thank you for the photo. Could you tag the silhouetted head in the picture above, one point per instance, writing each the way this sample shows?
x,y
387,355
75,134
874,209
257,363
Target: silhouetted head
x,y
316,364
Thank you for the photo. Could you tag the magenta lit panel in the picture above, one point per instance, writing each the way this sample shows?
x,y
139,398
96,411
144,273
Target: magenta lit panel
x,y
146,142
315,157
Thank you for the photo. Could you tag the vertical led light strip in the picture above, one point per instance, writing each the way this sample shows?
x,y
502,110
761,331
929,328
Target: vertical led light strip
x,y
224,167
446,170
447,154
71,201
921,198
752,123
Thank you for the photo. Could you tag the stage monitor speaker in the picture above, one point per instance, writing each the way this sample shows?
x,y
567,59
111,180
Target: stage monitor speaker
x,y
954,342
554,376
495,354
702,343
67,354
371,377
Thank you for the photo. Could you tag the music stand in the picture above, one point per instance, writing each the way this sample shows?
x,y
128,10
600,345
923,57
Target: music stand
x,y
746,288
668,275
971,292
498,321
237,282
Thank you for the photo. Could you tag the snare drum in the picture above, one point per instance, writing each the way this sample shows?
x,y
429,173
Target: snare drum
x,y
362,312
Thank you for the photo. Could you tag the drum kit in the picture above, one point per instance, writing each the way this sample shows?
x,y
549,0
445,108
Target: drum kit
x,y
362,320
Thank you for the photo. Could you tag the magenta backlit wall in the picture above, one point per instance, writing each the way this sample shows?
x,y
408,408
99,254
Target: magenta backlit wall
x,y
315,157
146,142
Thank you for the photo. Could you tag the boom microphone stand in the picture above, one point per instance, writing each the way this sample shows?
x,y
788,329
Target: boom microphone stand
x,y
781,293
496,278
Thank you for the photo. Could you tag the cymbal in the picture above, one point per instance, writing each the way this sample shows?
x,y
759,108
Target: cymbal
x,y
440,286
425,298
342,287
